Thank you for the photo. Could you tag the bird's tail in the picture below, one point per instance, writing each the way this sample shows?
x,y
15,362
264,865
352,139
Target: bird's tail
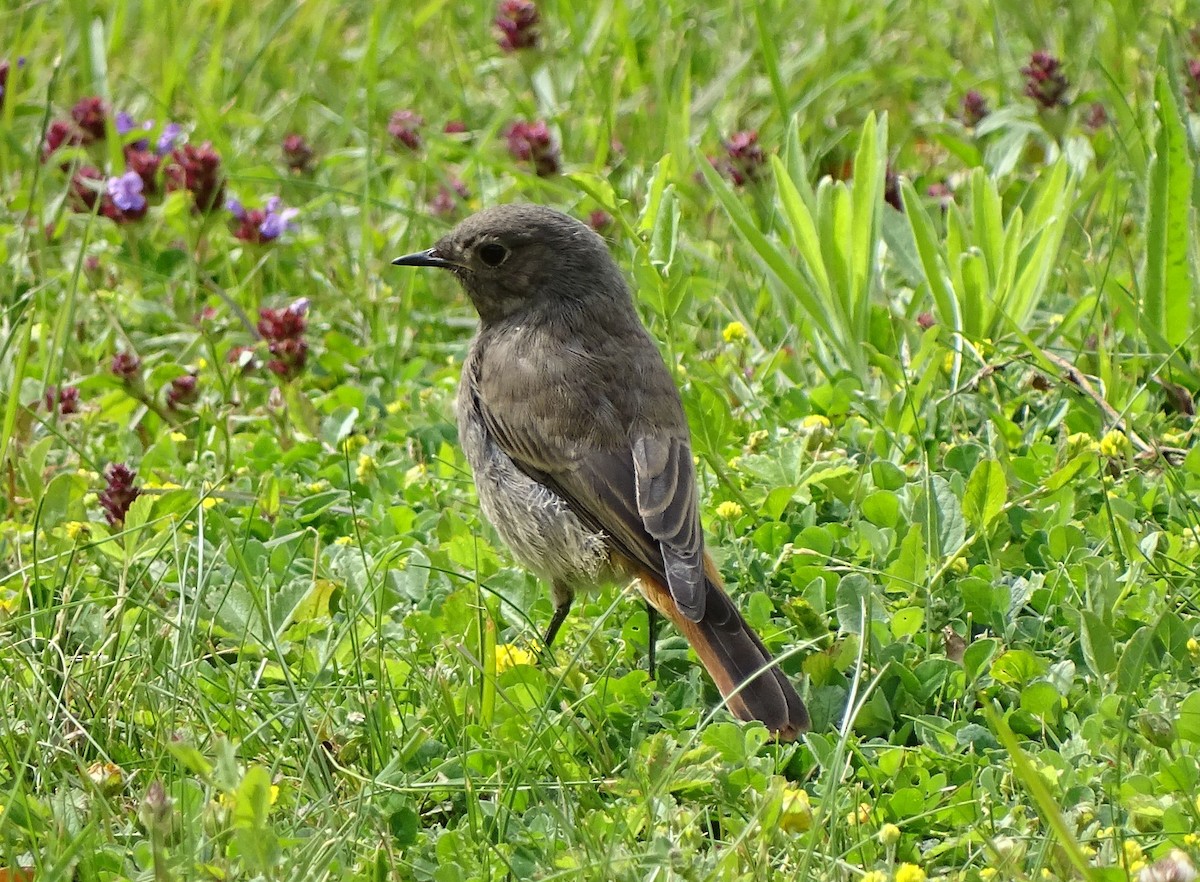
x,y
753,686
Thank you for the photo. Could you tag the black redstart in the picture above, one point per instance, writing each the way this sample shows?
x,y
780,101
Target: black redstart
x,y
579,444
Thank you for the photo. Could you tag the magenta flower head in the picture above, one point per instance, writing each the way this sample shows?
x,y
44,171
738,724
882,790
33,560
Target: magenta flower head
x,y
448,198
516,25
1096,117
599,220
404,127
197,170
64,400
182,392
744,159
533,142
61,133
126,367
454,127
145,165
1045,82
90,114
973,109
261,225
283,329
119,494
85,189
297,154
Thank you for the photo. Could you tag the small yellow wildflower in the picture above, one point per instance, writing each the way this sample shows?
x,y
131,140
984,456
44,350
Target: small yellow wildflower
x,y
1081,442
733,332
1114,444
729,510
318,486
343,540
201,363
394,407
860,815
1191,840
988,873
909,873
1046,874
889,834
366,467
509,655
77,530
1193,646
354,443
874,876
208,502
796,815
816,421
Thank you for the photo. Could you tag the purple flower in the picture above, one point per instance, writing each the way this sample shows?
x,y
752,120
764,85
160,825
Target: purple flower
x,y
743,160
64,400
278,219
197,170
90,115
126,124
182,392
119,494
126,191
261,225
283,329
599,220
516,25
126,366
297,153
1045,82
532,142
1096,117
171,137
405,126
973,109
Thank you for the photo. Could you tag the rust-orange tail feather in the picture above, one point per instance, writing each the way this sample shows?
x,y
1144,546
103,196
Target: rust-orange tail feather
x,y
753,686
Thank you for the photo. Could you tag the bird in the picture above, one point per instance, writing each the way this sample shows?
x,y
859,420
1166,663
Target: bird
x,y
579,446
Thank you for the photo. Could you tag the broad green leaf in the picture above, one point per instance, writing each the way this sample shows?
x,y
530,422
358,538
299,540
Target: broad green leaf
x,y
986,494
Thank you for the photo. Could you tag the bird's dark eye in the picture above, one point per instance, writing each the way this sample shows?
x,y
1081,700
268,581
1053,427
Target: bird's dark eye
x,y
492,253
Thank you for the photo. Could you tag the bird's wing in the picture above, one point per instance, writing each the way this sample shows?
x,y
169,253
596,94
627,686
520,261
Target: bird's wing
x,y
639,492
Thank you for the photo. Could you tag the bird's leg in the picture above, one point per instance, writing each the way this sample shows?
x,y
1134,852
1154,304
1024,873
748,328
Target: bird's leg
x,y
651,636
563,596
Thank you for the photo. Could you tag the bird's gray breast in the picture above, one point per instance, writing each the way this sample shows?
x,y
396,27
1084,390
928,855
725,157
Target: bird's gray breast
x,y
535,523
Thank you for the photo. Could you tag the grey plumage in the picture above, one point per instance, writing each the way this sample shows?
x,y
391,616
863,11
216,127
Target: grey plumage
x,y
578,441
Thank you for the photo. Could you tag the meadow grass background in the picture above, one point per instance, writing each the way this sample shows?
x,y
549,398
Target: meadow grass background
x,y
946,445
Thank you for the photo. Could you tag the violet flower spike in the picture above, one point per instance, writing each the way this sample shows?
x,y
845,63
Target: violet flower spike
x,y
235,207
278,219
126,191
171,137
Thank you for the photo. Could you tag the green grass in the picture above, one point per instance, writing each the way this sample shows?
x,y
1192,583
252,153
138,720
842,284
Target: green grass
x,y
945,454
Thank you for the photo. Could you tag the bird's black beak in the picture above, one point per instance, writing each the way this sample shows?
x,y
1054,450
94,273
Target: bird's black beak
x,y
428,257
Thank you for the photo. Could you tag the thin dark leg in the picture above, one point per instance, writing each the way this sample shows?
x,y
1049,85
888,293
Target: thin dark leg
x,y
651,636
563,597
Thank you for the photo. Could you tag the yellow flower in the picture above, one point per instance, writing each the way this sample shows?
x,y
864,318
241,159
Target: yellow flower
x,y
366,467
177,437
77,530
107,777
729,510
343,540
889,834
1193,646
909,873
874,876
796,815
816,421
354,443
988,873
734,331
394,407
1133,851
509,655
860,815
1114,444
201,363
